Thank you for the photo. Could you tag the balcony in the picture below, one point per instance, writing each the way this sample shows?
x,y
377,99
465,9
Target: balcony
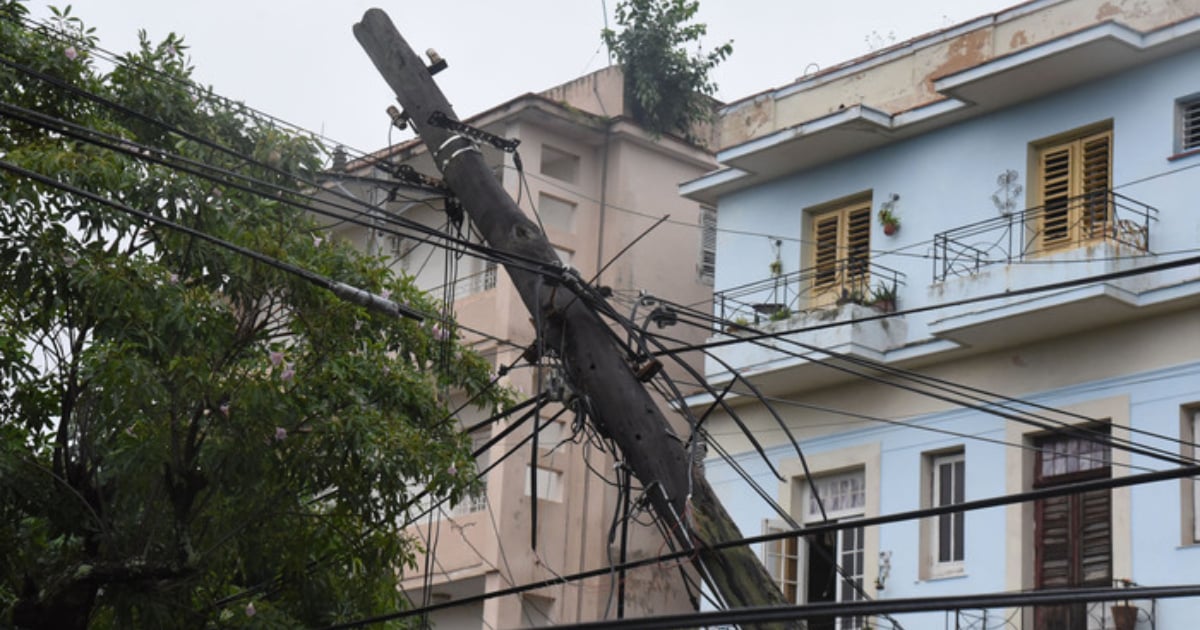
x,y
1103,217
477,282
1116,614
821,287
822,306
1068,241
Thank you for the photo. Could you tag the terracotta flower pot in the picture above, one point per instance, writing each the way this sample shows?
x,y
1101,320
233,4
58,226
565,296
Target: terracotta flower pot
x,y
1124,617
891,228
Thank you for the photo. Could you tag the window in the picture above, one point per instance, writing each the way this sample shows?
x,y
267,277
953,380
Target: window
x,y
559,164
550,434
708,245
945,533
1188,124
1073,178
564,255
841,246
549,483
556,214
476,499
782,559
1189,429
834,561
1073,533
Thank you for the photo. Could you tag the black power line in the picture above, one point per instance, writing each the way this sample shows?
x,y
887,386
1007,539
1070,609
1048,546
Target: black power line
x,y
811,530
347,292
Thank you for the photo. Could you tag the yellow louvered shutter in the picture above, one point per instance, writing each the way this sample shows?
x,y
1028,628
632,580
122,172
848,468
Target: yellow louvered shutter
x,y
1095,175
858,242
1056,195
1074,181
825,246
841,247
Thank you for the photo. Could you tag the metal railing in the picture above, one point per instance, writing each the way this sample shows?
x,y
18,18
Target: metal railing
x,y
778,297
474,501
477,282
1114,614
1086,219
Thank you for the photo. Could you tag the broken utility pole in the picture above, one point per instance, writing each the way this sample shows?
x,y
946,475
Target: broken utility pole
x,y
617,403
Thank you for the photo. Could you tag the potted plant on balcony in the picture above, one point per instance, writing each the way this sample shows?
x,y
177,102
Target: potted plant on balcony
x,y
1125,614
738,325
883,297
889,220
780,314
854,296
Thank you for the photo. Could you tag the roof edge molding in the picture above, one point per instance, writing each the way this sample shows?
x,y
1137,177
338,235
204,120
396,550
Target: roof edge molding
x,y
1073,59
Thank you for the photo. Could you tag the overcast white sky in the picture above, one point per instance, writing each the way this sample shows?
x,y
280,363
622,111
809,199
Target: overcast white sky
x,y
298,59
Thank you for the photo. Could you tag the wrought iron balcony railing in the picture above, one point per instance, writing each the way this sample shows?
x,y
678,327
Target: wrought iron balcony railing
x,y
1103,216
1115,614
777,297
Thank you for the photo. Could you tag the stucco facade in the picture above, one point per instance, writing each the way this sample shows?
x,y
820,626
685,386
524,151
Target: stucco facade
x,y
598,182
1040,166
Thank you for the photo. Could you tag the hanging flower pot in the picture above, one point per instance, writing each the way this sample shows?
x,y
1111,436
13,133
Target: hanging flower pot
x,y
888,218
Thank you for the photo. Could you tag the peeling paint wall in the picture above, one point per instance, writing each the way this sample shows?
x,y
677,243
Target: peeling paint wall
x,y
901,77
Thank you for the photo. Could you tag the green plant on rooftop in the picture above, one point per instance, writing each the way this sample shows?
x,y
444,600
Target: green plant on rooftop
x,y
667,87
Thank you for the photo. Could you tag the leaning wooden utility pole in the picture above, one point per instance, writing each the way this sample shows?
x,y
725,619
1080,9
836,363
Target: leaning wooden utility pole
x,y
618,403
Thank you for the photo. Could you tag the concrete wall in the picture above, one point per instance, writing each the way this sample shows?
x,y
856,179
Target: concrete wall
x,y
901,77
1161,376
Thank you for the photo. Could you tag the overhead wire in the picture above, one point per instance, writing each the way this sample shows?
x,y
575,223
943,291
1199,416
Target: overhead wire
x,y
811,530
1188,167
41,27
981,399
214,174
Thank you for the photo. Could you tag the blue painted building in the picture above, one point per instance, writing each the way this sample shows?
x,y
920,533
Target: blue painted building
x,y
976,252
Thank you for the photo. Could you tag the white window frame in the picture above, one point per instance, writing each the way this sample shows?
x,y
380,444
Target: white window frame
x,y
549,483
1195,452
938,567
782,555
707,267
1187,124
844,497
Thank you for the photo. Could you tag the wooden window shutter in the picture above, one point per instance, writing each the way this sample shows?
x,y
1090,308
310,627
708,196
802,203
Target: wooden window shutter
x,y
825,230
1095,538
858,241
1074,179
1054,542
1095,162
1055,173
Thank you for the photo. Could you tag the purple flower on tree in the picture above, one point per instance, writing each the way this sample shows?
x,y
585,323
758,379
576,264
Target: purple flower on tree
x,y
280,434
288,374
276,358
250,611
71,53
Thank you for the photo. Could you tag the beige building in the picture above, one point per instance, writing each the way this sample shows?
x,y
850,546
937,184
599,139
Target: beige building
x,y
598,182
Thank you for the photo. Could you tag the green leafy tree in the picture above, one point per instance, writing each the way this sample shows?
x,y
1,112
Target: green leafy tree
x,y
667,88
188,437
